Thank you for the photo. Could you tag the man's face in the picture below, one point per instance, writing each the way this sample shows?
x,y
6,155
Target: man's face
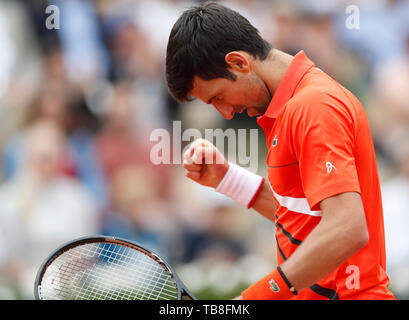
x,y
247,92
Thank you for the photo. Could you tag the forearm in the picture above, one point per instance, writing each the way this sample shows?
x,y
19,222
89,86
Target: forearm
x,y
204,164
248,189
265,203
325,248
341,232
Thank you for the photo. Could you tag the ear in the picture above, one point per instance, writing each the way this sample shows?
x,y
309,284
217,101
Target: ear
x,y
238,61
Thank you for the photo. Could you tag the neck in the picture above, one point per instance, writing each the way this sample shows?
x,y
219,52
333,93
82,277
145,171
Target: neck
x,y
272,70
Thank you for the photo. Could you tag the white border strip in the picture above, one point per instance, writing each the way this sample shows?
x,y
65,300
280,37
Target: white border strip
x,y
299,205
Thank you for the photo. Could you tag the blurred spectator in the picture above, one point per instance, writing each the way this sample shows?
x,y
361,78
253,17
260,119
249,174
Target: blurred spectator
x,y
156,18
213,241
20,70
310,28
395,194
49,105
259,13
221,247
380,36
138,214
390,98
67,108
41,208
130,59
9,55
212,226
122,142
85,55
141,66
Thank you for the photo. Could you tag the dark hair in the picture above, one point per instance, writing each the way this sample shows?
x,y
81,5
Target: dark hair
x,y
199,41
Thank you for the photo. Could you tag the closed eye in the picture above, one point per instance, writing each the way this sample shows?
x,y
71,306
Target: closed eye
x,y
210,100
213,99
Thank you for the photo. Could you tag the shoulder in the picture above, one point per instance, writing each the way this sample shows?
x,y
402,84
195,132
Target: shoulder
x,y
319,98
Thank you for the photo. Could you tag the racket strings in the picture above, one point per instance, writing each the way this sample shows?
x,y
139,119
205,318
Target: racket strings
x,y
137,274
107,271
145,267
96,286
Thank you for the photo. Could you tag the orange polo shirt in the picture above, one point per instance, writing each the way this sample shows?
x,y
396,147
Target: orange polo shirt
x,y
320,145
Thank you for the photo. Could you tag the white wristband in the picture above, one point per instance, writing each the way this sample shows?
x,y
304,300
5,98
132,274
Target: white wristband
x,y
240,185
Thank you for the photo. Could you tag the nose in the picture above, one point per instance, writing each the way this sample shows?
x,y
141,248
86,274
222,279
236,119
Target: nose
x,y
226,111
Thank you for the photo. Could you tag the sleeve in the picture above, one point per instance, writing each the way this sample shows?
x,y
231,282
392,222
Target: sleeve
x,y
324,139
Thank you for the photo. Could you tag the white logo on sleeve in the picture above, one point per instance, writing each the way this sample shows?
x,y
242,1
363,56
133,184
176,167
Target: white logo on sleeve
x,y
330,166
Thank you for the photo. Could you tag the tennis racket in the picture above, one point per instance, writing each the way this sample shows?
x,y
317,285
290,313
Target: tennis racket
x,y
107,268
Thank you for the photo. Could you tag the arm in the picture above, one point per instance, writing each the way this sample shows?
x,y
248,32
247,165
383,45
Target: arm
x,y
265,203
204,164
341,232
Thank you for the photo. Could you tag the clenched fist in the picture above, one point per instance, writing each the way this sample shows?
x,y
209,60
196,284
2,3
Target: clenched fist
x,y
204,163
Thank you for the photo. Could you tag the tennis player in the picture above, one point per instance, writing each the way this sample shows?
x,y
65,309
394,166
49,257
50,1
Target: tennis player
x,y
322,191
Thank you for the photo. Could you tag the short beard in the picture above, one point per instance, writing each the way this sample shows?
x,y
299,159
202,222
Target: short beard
x,y
264,95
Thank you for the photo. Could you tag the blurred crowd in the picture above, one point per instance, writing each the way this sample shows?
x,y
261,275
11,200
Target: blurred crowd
x,y
78,104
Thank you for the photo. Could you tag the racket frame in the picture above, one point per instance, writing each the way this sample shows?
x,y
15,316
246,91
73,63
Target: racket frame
x,y
182,290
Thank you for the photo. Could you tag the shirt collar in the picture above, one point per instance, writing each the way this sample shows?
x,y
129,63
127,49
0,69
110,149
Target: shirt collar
x,y
285,90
